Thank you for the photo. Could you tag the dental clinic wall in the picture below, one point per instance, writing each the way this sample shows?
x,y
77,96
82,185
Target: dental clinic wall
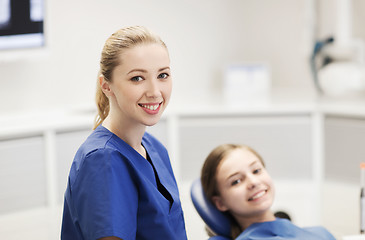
x,y
203,36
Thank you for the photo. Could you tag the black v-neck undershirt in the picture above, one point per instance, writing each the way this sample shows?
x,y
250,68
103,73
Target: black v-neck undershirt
x,y
160,187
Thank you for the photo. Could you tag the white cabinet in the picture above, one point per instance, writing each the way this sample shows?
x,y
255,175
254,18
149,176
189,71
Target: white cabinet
x,y
22,174
345,148
344,151
66,145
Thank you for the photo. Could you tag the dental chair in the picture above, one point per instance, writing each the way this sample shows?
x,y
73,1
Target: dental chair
x,y
215,220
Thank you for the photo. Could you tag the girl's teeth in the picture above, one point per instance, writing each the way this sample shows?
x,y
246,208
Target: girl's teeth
x,y
258,195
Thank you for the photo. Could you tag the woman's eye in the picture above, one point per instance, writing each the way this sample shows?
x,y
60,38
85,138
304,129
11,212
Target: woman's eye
x,y
136,79
163,75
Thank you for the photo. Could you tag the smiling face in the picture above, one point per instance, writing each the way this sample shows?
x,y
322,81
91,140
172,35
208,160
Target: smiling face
x,y
141,85
245,188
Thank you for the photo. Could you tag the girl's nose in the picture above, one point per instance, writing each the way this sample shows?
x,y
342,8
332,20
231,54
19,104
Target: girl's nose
x,y
252,181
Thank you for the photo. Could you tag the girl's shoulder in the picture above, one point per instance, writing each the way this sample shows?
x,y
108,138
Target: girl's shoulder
x,y
284,229
321,231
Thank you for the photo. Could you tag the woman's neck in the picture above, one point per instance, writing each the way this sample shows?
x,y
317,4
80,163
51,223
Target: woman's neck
x,y
130,133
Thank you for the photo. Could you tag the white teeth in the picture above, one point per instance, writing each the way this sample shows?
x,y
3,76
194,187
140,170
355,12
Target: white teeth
x,y
150,107
258,195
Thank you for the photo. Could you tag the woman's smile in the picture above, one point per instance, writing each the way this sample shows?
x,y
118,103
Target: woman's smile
x,y
151,108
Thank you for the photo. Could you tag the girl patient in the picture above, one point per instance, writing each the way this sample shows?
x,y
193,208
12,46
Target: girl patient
x,y
234,178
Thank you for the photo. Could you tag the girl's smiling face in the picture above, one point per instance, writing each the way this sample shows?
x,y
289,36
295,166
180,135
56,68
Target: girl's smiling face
x,y
141,85
245,188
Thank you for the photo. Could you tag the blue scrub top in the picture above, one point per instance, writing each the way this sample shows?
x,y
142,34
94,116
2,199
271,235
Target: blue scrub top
x,y
112,191
283,229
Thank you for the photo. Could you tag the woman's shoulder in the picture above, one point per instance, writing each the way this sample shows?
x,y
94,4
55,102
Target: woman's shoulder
x,y
101,139
96,146
97,139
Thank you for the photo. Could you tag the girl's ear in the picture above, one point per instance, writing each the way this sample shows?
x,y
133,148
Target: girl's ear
x,y
105,86
219,204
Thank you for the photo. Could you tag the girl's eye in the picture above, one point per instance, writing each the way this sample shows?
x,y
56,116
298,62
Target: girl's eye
x,y
235,182
163,75
257,171
136,79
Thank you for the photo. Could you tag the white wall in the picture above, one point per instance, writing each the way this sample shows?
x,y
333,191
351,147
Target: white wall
x,y
202,37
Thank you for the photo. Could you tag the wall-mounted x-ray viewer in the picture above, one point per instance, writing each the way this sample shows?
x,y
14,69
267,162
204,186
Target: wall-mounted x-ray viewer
x,y
4,14
21,26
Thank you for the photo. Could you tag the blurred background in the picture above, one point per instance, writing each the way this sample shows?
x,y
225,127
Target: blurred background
x,y
202,37
308,56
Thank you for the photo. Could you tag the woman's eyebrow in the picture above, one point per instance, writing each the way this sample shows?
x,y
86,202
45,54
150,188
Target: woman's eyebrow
x,y
144,70
163,69
137,70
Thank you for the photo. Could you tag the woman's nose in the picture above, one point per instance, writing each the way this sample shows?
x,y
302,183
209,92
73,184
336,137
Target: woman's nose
x,y
153,89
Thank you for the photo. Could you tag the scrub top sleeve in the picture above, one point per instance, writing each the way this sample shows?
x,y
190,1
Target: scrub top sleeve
x,y
105,196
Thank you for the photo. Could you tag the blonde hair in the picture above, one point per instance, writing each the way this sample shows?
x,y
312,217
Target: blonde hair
x,y
209,171
114,46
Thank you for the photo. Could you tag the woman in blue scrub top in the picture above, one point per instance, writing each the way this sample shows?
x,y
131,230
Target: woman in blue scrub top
x,y
121,184
234,178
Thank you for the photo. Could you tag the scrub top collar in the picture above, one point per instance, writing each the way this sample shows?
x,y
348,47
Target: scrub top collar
x,y
159,166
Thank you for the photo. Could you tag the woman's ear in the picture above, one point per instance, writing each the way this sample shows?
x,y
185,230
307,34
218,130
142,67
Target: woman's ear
x,y
219,204
105,86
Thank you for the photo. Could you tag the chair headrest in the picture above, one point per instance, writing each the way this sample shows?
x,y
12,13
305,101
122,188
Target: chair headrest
x,y
217,221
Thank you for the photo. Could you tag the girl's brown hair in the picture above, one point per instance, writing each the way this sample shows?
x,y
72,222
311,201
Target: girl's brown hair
x,y
114,46
208,175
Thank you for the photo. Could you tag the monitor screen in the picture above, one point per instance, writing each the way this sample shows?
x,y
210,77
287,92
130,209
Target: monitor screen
x,y
21,24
